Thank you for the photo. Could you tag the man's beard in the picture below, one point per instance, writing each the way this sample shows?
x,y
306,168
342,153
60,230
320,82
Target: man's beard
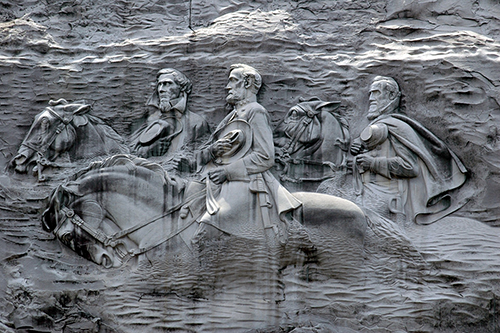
x,y
376,110
373,111
234,97
231,99
165,104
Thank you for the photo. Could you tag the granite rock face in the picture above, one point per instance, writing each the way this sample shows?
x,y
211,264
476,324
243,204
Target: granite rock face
x,y
441,277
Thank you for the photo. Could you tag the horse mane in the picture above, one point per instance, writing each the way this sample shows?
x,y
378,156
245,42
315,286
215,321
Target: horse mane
x,y
65,193
125,160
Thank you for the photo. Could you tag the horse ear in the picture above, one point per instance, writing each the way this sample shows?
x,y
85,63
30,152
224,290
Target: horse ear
x,y
328,106
80,121
60,101
311,99
82,109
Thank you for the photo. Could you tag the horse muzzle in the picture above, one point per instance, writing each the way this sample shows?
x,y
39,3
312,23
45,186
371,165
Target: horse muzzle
x,y
101,256
20,162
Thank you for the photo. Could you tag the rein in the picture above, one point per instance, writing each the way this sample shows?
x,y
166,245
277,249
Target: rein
x,y
43,149
303,123
112,240
41,152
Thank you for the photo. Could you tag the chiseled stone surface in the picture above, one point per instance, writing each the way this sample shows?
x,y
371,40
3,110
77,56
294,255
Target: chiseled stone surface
x,y
441,277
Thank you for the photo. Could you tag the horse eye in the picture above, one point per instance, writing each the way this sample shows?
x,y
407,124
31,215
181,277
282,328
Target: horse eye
x,y
295,114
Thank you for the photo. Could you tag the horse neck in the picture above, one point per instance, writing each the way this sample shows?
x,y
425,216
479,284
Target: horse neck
x,y
331,132
133,198
95,140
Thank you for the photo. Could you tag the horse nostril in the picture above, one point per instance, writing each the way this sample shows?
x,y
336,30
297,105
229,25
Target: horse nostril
x,y
20,159
18,163
21,168
66,238
106,261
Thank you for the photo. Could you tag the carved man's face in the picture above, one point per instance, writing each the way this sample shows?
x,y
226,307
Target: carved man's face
x,y
379,99
168,89
235,87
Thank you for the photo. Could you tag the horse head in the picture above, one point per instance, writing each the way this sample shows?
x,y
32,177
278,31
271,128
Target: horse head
x,y
311,143
97,213
303,125
87,236
52,133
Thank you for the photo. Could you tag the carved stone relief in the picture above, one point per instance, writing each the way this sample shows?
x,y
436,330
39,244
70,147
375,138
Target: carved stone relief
x,y
341,177
400,167
311,143
65,133
171,126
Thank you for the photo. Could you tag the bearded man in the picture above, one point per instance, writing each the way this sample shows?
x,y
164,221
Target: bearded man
x,y
242,196
171,126
401,168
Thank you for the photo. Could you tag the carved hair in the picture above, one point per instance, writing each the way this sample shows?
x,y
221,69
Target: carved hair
x,y
179,78
390,84
249,71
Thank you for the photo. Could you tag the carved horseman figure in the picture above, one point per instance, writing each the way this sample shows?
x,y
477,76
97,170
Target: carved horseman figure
x,y
171,126
244,210
400,167
242,197
124,206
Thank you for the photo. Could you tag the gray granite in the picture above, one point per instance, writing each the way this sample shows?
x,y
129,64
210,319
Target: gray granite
x,y
388,274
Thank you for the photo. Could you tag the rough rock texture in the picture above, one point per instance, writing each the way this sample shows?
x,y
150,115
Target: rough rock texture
x,y
444,55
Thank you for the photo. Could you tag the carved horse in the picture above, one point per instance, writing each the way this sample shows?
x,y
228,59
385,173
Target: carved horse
x,y
311,141
123,207
114,209
65,129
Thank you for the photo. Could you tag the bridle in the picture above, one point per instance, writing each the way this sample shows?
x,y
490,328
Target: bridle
x,y
114,241
290,148
41,151
302,126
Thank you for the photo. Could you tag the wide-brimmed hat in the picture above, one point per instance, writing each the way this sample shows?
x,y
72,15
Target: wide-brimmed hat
x,y
154,131
374,135
239,133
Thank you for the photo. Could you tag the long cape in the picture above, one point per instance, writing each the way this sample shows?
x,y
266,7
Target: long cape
x,y
441,170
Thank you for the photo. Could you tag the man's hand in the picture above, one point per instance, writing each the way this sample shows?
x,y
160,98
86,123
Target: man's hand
x,y
218,176
356,147
220,147
364,161
349,163
183,164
